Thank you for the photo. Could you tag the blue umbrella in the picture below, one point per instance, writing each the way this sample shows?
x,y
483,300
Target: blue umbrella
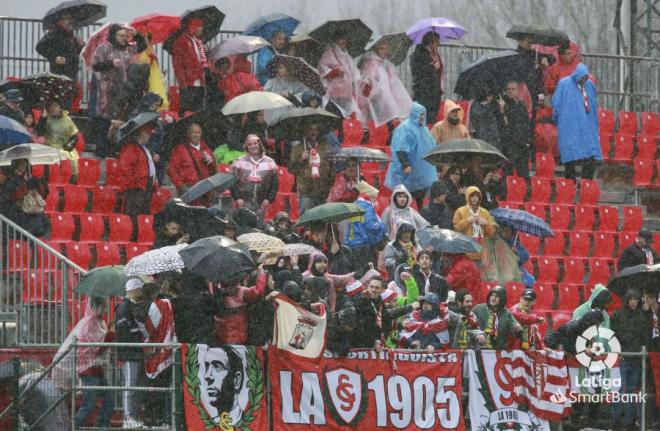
x,y
12,132
522,221
265,26
443,27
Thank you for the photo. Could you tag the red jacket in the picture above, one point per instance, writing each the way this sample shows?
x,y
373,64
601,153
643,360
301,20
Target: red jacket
x,y
231,326
187,67
238,83
464,274
134,168
530,330
181,167
340,191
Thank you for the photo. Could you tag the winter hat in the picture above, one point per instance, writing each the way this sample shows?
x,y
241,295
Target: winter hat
x,y
13,95
431,298
134,284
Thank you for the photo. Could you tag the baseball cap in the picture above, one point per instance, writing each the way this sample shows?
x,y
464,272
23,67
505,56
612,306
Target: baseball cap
x,y
529,294
134,284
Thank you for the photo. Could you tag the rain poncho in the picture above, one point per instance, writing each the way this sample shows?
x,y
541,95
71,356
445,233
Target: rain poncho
x,y
463,225
264,56
365,232
341,86
386,96
156,81
500,263
577,129
595,302
393,215
443,131
416,142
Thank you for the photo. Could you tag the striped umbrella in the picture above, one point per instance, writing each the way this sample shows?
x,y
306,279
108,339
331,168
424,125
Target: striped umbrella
x,y
522,221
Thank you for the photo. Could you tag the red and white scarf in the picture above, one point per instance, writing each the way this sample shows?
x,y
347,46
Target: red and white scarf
x,y
158,328
585,99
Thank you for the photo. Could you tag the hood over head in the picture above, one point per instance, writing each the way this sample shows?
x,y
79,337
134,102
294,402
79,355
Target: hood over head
x,y
631,293
403,227
580,71
313,258
471,190
415,112
400,189
308,95
450,105
599,297
404,267
501,292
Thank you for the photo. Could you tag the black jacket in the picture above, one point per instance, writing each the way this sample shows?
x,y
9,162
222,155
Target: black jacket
x,y
632,328
455,199
127,330
60,43
16,115
438,215
437,283
367,330
567,333
516,135
633,255
426,82
193,314
486,122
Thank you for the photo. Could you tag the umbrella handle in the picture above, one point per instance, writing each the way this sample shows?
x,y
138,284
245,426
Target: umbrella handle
x,y
515,240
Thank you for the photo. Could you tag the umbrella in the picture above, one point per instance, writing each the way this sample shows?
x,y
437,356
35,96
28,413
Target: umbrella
x,y
12,132
95,40
212,18
363,154
156,261
306,47
522,221
84,12
291,121
255,101
458,151
398,44
332,212
48,86
221,182
265,26
490,70
443,27
37,154
297,249
14,83
217,258
158,25
237,45
542,35
355,30
104,281
197,222
646,278
302,71
447,241
134,124
261,243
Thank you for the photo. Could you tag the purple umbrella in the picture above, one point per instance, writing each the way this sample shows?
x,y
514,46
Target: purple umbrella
x,y
444,28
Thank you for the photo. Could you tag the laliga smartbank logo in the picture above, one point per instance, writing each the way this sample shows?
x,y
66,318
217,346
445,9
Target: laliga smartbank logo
x,y
597,349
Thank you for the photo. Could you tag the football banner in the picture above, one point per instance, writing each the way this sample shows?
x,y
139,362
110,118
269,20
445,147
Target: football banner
x,y
367,390
297,330
516,388
224,388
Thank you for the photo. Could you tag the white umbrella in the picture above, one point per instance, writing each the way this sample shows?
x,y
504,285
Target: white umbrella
x,y
237,45
261,243
156,261
37,154
255,101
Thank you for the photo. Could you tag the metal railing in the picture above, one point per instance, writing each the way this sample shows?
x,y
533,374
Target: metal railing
x,y
36,289
624,82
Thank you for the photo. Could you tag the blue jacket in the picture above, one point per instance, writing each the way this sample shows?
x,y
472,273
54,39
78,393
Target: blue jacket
x,y
416,141
365,233
577,130
264,56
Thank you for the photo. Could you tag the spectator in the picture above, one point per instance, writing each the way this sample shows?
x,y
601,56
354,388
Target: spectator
x,y
427,330
651,305
516,134
427,280
61,48
309,163
61,133
495,320
402,249
575,112
22,199
565,336
340,332
473,220
451,126
257,177
530,337
267,53
400,211
428,75
510,236
233,148
452,179
194,311
345,187
235,77
170,233
411,141
461,272
466,333
11,106
285,83
600,300
640,252
152,102
190,65
631,325
569,58
531,66
387,99
436,212
486,118
341,76
493,188
403,285
318,267
281,227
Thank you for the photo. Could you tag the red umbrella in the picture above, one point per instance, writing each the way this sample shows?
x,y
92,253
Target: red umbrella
x,y
160,26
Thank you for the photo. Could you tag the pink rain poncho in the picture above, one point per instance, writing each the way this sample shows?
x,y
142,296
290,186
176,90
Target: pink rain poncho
x,y
386,97
340,76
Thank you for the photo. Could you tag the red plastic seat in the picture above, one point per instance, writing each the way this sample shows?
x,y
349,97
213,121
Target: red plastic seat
x,y
536,209
89,172
91,227
37,171
545,165
548,270
52,200
513,291
623,148
112,172
44,259
560,217
541,190
604,244
584,217
633,219
545,296
599,270
353,131
19,255
79,254
609,218
626,239
103,200
643,172
580,244
574,270
516,189
35,283
650,123
223,168
628,122
378,136
145,229
121,228
283,202
61,227
60,173
605,140
107,253
159,198
75,198
565,189
606,120
530,242
134,249
569,297
560,318
589,192
554,245
647,147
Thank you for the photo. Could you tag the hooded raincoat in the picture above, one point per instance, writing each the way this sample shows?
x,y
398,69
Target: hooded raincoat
x,y
575,112
443,131
340,76
496,322
397,253
414,141
463,225
599,297
393,215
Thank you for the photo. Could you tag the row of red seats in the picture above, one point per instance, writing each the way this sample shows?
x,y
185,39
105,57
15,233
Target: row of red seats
x,y
563,217
92,227
545,190
75,199
646,173
650,122
608,245
623,147
601,270
549,296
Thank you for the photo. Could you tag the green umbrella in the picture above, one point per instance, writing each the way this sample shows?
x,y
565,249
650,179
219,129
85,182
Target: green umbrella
x,y
332,212
104,281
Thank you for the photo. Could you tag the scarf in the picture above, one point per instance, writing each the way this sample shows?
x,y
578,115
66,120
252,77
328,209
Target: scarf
x,y
315,163
476,227
409,248
585,100
468,320
254,173
491,328
655,332
196,146
647,252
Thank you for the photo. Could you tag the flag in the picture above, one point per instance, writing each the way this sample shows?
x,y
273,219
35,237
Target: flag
x,y
354,287
388,295
297,330
158,328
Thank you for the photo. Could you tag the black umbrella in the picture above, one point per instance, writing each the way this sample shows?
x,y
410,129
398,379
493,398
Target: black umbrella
x,y
83,12
290,124
134,124
302,71
220,182
645,278
357,33
217,258
398,43
459,151
212,18
541,35
44,87
306,47
197,222
447,241
490,71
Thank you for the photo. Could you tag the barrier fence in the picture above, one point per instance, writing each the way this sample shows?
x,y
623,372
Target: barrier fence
x,y
624,82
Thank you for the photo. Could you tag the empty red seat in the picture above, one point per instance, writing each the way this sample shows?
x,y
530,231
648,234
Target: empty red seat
x,y
609,218
60,173
121,228
589,192
545,165
606,120
650,123
19,255
623,148
75,198
516,189
573,270
565,189
89,172
530,242
145,229
560,217
353,131
378,136
647,147
79,254
159,198
112,172
604,244
134,249
554,245
545,296
569,297
35,285
52,200
283,202
560,318
107,253
633,219
628,122
580,243
548,269
513,291
584,217
38,171
626,239
536,209
541,190
599,270
103,199
61,226
643,172
605,140
91,227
